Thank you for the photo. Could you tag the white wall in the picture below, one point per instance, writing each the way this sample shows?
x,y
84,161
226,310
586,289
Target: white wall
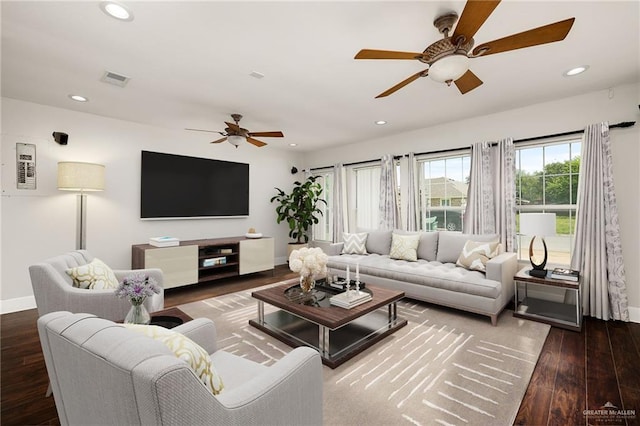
x,y
615,105
37,224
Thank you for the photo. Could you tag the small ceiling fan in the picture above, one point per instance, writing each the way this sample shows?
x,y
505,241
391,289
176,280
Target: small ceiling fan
x,y
236,134
448,59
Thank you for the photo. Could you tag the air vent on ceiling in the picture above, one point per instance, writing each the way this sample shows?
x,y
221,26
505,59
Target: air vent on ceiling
x,y
116,79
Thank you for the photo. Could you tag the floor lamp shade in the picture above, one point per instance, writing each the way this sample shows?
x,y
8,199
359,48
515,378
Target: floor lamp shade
x,y
538,225
80,177
74,176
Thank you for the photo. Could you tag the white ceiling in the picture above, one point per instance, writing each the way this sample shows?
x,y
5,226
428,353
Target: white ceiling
x,y
190,63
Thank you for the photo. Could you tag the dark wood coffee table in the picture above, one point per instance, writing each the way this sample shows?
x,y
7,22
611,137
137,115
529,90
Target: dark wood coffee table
x,y
338,334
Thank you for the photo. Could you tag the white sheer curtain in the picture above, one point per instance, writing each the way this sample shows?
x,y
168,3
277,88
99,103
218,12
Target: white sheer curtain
x,y
491,195
340,218
412,194
597,250
389,215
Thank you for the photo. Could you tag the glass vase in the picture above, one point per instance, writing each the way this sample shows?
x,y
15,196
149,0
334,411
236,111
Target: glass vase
x,y
138,314
307,283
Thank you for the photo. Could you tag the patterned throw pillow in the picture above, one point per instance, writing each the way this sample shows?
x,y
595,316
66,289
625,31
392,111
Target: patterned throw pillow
x,y
354,243
187,350
475,255
94,275
404,247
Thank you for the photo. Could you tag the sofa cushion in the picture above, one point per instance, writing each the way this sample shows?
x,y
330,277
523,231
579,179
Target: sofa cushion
x,y
93,275
379,242
404,247
475,254
450,244
187,350
428,247
354,243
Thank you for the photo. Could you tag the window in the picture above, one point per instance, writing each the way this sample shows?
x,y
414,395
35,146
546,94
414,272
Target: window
x,y
547,182
367,197
443,184
323,230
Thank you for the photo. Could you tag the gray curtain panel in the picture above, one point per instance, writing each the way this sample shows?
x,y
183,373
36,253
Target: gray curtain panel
x,y
388,208
339,204
412,194
491,196
597,249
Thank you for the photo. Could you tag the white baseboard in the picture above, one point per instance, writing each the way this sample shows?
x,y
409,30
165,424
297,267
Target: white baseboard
x,y
17,304
634,314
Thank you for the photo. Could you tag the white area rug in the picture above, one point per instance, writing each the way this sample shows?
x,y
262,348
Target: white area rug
x,y
445,367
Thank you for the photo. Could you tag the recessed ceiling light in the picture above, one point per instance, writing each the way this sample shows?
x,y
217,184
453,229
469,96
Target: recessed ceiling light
x,y
116,10
381,122
576,71
293,144
78,98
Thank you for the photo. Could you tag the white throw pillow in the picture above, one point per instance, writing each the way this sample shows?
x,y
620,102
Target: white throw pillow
x,y
187,350
476,254
404,247
354,243
93,275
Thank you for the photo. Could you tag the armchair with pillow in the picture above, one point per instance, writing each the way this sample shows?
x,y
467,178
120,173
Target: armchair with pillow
x,y
79,282
106,373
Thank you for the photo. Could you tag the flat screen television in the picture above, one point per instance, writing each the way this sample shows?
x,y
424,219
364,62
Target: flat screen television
x,y
176,186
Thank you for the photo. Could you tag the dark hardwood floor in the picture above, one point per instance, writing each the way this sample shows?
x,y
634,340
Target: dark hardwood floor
x,y
576,372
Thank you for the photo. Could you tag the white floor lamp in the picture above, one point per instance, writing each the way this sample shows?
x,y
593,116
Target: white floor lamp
x,y
82,177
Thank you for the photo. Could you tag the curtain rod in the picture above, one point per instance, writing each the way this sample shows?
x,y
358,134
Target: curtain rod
x,y
620,125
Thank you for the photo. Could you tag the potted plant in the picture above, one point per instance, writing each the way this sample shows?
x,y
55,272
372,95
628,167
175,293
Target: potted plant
x,y
299,208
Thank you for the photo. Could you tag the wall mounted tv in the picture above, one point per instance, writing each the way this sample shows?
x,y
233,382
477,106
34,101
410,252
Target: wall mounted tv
x,y
177,186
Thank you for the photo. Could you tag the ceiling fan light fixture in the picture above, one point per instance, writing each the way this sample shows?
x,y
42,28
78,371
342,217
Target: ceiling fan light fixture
x,y
450,68
235,140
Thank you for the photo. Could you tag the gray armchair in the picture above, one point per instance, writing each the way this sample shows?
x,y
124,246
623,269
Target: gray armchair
x,y
103,373
54,291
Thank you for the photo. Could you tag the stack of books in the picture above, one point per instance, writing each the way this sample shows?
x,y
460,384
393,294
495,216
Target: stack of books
x,y
164,241
214,261
565,274
349,299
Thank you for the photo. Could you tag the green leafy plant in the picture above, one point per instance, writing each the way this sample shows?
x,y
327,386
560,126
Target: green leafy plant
x,y
300,208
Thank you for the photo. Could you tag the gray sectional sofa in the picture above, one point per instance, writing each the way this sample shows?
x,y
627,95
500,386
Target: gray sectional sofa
x,y
434,277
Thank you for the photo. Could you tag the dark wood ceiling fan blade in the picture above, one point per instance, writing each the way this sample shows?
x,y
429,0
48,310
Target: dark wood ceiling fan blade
x,y
467,82
202,130
474,14
541,35
403,83
220,140
233,126
267,134
386,54
255,142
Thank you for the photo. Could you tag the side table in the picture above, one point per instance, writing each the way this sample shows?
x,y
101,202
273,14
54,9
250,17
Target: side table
x,y
564,315
169,317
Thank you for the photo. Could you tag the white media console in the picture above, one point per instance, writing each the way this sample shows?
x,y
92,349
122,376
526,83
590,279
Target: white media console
x,y
199,261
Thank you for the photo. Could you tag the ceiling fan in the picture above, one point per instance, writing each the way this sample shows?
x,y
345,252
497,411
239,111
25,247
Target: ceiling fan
x,y
236,134
448,59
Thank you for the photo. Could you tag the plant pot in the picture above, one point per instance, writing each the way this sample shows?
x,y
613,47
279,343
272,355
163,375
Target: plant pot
x,y
294,246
